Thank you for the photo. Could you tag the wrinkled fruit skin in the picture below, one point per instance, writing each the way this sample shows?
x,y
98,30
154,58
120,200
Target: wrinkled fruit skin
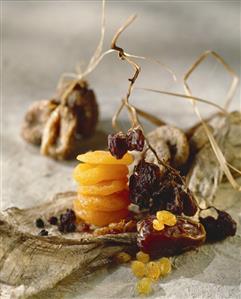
x,y
120,143
184,235
143,182
135,140
117,145
150,191
220,228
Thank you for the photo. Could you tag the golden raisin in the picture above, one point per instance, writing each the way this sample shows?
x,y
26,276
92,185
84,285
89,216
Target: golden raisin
x,y
123,257
166,217
153,270
144,286
138,268
157,225
142,257
165,266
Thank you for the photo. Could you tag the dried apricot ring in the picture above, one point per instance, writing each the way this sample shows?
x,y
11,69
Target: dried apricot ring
x,y
100,218
104,188
86,174
104,157
108,203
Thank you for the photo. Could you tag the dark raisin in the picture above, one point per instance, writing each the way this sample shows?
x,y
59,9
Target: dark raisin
x,y
67,217
220,228
53,220
117,145
43,232
143,182
189,203
135,140
71,227
39,223
184,235
67,222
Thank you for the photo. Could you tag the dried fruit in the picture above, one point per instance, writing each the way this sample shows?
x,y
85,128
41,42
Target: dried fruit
x,y
157,225
100,218
117,145
39,223
220,228
165,266
143,182
53,220
153,270
123,257
87,174
166,217
108,203
184,235
67,222
142,257
135,140
138,268
59,124
104,157
144,286
104,188
43,232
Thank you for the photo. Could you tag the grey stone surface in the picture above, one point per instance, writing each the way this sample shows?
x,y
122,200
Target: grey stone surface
x,y
43,39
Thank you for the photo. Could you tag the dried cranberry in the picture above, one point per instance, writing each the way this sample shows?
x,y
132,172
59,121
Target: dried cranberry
x,y
53,220
39,223
117,145
135,140
43,232
220,228
184,235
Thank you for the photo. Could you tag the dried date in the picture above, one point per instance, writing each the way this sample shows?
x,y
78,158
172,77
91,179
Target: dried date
x,y
184,235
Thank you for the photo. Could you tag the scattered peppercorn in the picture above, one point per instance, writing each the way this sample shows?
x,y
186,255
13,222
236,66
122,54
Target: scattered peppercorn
x,y
43,232
39,223
53,220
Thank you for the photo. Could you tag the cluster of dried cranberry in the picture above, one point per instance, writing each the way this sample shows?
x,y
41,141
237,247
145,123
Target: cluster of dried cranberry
x,y
149,190
120,143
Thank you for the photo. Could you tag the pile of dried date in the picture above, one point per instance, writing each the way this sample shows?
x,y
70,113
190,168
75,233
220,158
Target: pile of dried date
x,y
152,190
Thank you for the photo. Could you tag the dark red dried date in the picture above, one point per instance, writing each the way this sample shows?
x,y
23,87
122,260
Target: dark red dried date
x,y
220,228
184,235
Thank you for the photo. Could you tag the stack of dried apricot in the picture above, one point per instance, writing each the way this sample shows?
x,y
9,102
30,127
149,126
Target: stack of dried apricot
x,y
103,196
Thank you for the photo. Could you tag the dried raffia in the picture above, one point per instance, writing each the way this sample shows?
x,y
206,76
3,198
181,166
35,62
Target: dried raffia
x,y
219,155
130,108
188,96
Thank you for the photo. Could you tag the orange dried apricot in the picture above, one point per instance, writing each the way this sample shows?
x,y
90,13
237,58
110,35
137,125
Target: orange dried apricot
x,y
104,188
104,157
100,218
87,174
109,203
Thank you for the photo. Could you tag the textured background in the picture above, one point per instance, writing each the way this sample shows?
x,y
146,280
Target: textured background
x,y
43,39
